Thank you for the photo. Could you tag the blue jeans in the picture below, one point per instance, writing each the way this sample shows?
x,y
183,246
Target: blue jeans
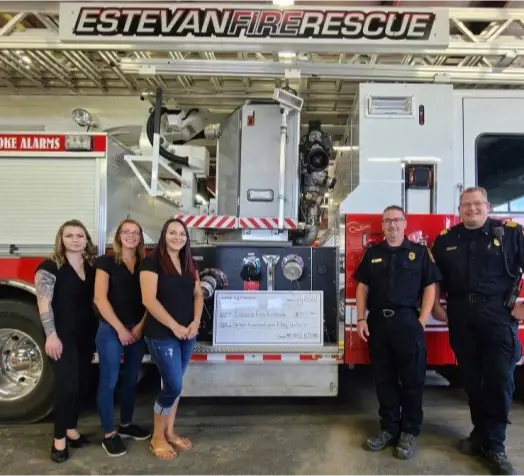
x,y
171,357
110,351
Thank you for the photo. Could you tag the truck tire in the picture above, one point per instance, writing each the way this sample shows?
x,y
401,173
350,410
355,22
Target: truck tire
x,y
26,376
452,374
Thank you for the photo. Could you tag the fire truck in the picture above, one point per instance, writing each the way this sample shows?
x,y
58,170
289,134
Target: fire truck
x,y
279,316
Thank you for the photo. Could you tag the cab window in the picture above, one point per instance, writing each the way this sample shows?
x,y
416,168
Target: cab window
x,y
500,170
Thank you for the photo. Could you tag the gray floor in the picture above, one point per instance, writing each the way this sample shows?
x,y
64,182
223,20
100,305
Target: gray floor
x,y
271,436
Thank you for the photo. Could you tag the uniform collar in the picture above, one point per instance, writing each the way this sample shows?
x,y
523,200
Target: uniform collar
x,y
485,229
406,244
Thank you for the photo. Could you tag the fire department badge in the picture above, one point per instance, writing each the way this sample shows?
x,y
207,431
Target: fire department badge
x,y
411,256
496,242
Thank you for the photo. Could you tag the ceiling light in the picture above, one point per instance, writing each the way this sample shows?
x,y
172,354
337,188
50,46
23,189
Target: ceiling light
x,y
283,2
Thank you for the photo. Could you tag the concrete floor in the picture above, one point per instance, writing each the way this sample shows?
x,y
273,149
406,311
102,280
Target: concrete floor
x,y
272,436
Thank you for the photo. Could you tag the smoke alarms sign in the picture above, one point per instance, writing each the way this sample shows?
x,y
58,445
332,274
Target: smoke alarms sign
x,y
250,24
268,318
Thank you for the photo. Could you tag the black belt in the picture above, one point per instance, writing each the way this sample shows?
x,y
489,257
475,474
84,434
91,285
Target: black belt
x,y
390,312
473,298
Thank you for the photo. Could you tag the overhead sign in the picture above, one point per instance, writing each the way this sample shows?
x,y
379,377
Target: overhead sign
x,y
268,318
149,23
47,144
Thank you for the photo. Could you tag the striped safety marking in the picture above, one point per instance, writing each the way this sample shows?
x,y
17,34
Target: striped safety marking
x,y
266,223
260,358
208,221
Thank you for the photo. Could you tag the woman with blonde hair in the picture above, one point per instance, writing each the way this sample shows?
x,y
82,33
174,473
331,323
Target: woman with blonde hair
x,y
119,303
64,289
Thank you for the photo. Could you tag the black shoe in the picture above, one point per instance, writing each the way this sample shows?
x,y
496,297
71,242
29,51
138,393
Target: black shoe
x,y
380,441
59,456
499,462
133,431
471,445
79,442
406,446
114,445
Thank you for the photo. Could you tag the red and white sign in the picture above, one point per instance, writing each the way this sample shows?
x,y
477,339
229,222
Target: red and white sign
x,y
49,143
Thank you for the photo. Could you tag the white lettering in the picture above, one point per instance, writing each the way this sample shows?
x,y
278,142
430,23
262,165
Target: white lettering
x,y
174,19
312,21
191,22
353,24
8,143
218,25
129,15
148,21
108,20
418,25
378,17
86,21
390,33
333,19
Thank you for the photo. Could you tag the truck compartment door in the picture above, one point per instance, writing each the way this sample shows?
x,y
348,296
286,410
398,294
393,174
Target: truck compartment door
x,y
493,150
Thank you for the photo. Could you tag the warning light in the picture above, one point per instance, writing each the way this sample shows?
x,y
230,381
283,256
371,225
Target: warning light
x,y
251,119
421,115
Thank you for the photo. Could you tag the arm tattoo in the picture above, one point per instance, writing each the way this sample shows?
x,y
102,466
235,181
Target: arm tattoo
x,y
45,284
48,321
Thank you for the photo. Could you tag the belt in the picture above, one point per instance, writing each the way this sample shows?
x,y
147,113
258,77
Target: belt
x,y
388,312
473,298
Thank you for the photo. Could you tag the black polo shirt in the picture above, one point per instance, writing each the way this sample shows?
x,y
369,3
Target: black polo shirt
x,y
124,290
175,293
396,276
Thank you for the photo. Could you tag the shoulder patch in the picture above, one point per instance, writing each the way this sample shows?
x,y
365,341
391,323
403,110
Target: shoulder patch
x,y
511,224
443,232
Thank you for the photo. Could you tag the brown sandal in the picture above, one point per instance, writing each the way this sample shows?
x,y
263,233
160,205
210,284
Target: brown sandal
x,y
180,443
165,453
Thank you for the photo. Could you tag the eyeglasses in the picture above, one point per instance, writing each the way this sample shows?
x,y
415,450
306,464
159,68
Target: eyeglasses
x,y
476,204
389,221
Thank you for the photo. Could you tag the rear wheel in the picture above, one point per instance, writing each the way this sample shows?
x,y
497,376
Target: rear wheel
x,y
26,376
452,374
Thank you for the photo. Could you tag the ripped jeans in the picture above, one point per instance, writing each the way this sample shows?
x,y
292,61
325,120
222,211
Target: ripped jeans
x,y
171,357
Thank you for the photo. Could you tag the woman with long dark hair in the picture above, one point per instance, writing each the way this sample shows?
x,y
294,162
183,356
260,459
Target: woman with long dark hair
x,y
172,295
119,303
64,290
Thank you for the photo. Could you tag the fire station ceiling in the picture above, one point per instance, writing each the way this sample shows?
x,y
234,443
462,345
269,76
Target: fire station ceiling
x,y
484,48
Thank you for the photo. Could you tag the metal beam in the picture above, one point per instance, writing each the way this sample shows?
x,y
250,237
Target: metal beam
x,y
478,27
350,72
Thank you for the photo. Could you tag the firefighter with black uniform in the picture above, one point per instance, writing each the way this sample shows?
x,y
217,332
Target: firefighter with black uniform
x,y
480,260
396,284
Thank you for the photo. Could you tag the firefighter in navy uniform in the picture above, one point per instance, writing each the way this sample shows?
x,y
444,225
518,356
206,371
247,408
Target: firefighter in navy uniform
x,y
396,284
480,261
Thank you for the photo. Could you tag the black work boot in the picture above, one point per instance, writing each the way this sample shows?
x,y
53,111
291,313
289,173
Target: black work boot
x,y
380,441
499,462
471,445
406,446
